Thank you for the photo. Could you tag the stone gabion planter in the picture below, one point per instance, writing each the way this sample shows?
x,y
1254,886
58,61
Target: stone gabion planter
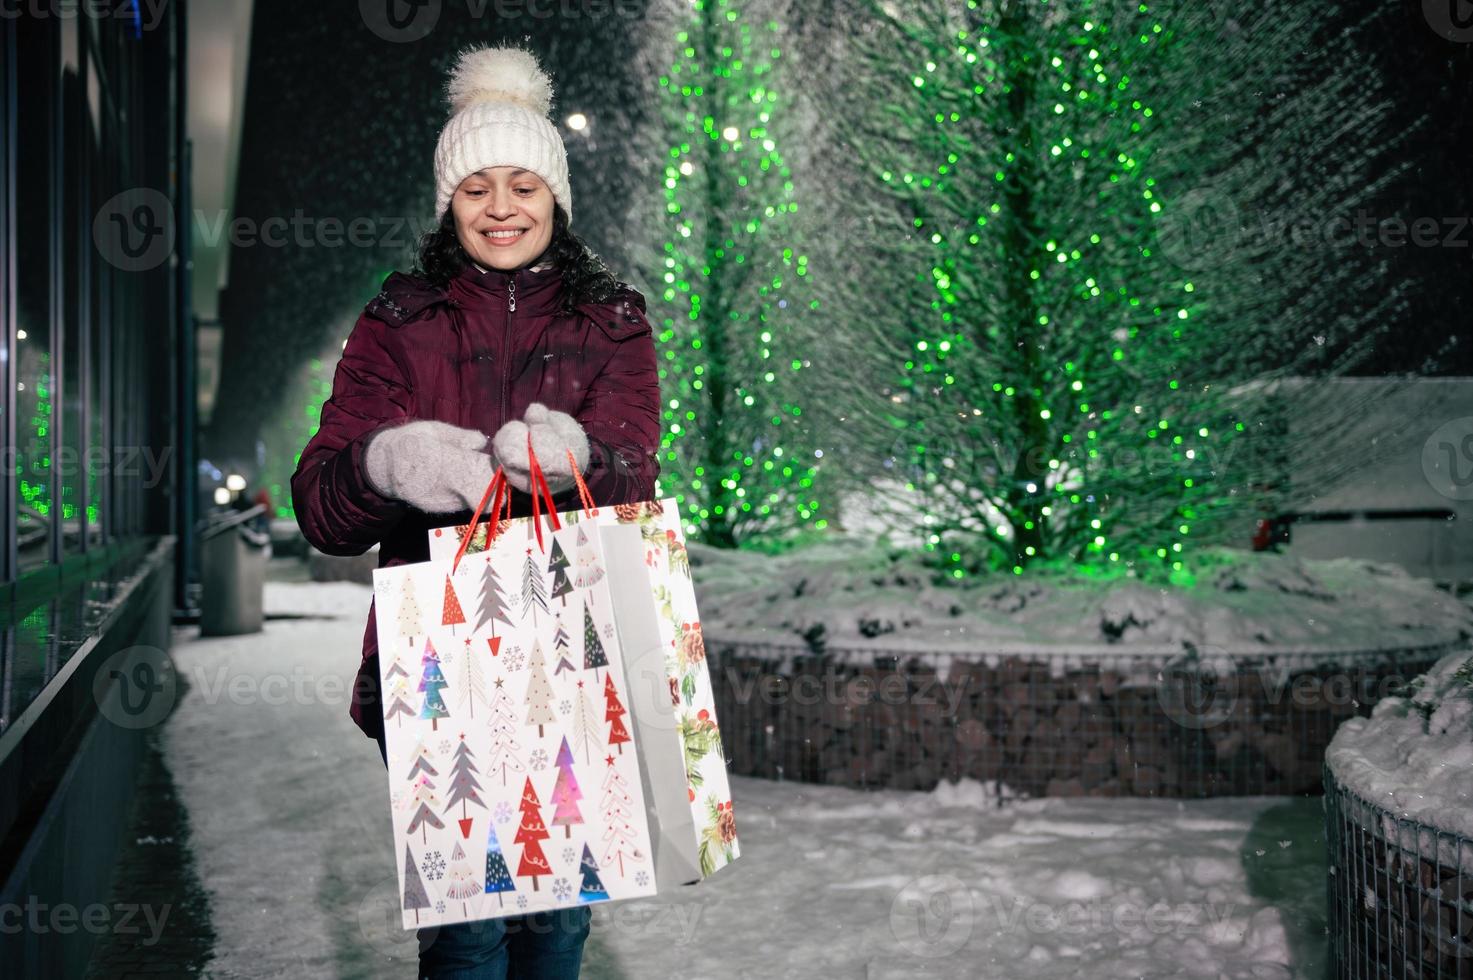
x,y
1400,892
1083,722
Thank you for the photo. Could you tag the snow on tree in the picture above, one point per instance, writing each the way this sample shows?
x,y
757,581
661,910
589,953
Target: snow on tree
x,y
539,691
411,618
473,683
398,693
530,834
617,808
565,792
587,727
557,566
503,727
726,245
431,682
464,882
1084,287
451,615
560,644
497,878
589,569
463,783
415,896
534,590
491,602
614,714
593,648
592,889
425,804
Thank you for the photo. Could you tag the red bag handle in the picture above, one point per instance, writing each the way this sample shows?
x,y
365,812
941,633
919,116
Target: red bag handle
x,y
538,481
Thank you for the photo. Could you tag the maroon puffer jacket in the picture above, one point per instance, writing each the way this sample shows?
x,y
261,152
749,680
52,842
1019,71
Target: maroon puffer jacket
x,y
474,354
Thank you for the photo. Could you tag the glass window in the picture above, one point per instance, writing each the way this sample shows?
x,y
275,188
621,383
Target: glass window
x,y
75,246
35,384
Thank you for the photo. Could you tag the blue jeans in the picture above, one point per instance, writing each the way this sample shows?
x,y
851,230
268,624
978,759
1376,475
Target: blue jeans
x,y
538,946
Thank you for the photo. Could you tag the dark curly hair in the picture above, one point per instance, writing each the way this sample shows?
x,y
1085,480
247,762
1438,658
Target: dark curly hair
x,y
585,277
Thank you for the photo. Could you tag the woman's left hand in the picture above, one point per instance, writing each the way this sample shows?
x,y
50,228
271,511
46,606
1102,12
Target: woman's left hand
x,y
553,434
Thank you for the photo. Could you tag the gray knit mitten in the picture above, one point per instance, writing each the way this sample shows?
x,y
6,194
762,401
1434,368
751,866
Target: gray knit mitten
x,y
553,434
437,467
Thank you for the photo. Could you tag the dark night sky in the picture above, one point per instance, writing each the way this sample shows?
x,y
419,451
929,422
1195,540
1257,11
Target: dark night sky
x,y
342,123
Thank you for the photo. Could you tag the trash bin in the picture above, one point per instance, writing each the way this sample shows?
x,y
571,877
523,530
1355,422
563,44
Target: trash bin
x,y
233,557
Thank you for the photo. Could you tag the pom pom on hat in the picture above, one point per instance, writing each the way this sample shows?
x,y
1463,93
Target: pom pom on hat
x,y
499,103
499,75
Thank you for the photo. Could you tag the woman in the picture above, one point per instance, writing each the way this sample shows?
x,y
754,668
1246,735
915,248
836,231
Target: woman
x,y
509,326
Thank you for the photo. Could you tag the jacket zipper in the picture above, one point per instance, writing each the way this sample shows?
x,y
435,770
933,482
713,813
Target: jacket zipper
x,y
511,306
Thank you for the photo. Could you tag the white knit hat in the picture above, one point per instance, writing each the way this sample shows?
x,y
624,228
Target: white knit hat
x,y
499,101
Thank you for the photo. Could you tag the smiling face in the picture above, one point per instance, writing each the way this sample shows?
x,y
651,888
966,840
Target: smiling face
x,y
503,216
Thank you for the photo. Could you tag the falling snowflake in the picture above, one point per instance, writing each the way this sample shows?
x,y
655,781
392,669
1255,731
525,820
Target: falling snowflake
x,y
608,631
447,658
445,746
521,901
565,706
641,878
503,812
562,889
514,658
433,865
440,906
569,855
538,759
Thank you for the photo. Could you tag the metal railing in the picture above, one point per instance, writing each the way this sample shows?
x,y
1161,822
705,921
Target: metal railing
x,y
1400,893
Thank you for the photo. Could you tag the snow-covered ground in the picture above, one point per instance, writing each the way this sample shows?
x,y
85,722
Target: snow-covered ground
x,y
288,807
868,595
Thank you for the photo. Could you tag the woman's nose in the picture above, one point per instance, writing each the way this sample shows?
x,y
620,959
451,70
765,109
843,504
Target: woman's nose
x,y
499,204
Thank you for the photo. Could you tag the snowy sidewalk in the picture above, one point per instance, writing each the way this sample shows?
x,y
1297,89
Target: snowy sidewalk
x,y
288,805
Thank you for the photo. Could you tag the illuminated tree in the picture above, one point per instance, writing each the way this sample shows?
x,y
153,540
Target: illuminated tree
x,y
1082,292
730,275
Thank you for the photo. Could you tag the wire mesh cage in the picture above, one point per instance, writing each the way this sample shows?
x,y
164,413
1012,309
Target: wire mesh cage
x,y
1071,723
1400,893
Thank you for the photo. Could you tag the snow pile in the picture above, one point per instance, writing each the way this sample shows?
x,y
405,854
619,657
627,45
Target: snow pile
x,y
851,593
1414,755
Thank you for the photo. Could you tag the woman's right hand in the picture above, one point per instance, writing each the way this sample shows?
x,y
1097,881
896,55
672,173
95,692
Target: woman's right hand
x,y
437,467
